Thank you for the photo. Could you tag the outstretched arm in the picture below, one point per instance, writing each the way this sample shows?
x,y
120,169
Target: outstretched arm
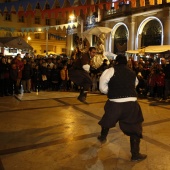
x,y
104,80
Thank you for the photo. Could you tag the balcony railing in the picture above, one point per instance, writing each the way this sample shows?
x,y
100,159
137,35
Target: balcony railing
x,y
125,9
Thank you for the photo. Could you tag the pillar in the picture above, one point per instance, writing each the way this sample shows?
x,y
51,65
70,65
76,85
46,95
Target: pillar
x,y
112,45
166,36
107,39
47,41
139,41
81,31
69,44
132,31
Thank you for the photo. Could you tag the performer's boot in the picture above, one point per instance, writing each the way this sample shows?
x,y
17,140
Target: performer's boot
x,y
103,135
135,148
82,96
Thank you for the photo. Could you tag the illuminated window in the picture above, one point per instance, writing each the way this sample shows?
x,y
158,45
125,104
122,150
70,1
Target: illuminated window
x,y
127,2
113,3
121,2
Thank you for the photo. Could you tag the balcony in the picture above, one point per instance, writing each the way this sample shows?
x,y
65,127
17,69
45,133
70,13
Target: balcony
x,y
126,10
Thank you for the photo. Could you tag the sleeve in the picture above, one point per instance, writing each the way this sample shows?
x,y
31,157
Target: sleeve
x,y
85,61
104,79
136,82
86,67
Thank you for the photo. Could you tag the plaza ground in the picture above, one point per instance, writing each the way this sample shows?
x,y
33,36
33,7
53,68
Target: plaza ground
x,y
54,131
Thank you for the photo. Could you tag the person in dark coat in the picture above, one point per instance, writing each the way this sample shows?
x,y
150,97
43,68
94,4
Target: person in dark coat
x,y
4,77
13,75
43,70
55,78
166,70
119,83
26,76
20,66
36,78
79,73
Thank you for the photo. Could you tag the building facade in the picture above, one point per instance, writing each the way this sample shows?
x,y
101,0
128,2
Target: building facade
x,y
135,28
45,24
38,31
138,29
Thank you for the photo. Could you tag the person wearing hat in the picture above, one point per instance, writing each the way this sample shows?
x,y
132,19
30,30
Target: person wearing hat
x,y
119,84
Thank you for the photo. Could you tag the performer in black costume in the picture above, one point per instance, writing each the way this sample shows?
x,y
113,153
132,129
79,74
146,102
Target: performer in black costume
x,y
79,73
119,83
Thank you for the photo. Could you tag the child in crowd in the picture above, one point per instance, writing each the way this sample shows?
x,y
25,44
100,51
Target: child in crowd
x,y
64,78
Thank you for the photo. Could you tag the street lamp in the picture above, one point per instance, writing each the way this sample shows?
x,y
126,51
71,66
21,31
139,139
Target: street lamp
x,y
28,38
72,18
70,30
47,41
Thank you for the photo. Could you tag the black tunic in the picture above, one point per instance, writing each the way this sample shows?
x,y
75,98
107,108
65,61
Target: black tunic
x,y
78,75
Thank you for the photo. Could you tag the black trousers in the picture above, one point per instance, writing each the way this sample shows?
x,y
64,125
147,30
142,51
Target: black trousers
x,y
80,78
128,114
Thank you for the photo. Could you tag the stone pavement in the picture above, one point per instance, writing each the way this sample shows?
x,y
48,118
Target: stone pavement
x,y
54,131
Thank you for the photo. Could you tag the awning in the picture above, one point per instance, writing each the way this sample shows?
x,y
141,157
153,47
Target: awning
x,y
157,49
132,51
49,53
15,42
151,49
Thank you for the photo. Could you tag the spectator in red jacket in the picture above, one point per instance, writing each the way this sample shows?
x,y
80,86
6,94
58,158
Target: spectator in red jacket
x,y
20,66
152,83
160,82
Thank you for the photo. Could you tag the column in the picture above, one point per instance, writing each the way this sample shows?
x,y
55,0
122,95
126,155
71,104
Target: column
x,y
107,43
47,41
81,31
99,14
82,25
166,36
112,44
139,41
69,44
132,33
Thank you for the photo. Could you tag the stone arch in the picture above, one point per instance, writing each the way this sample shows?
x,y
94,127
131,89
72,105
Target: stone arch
x,y
115,28
141,27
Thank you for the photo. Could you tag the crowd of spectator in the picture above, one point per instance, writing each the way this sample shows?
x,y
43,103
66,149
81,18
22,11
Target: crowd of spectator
x,y
153,76
52,74
32,74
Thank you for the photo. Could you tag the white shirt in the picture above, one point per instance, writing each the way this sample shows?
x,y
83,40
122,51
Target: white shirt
x,y
103,85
